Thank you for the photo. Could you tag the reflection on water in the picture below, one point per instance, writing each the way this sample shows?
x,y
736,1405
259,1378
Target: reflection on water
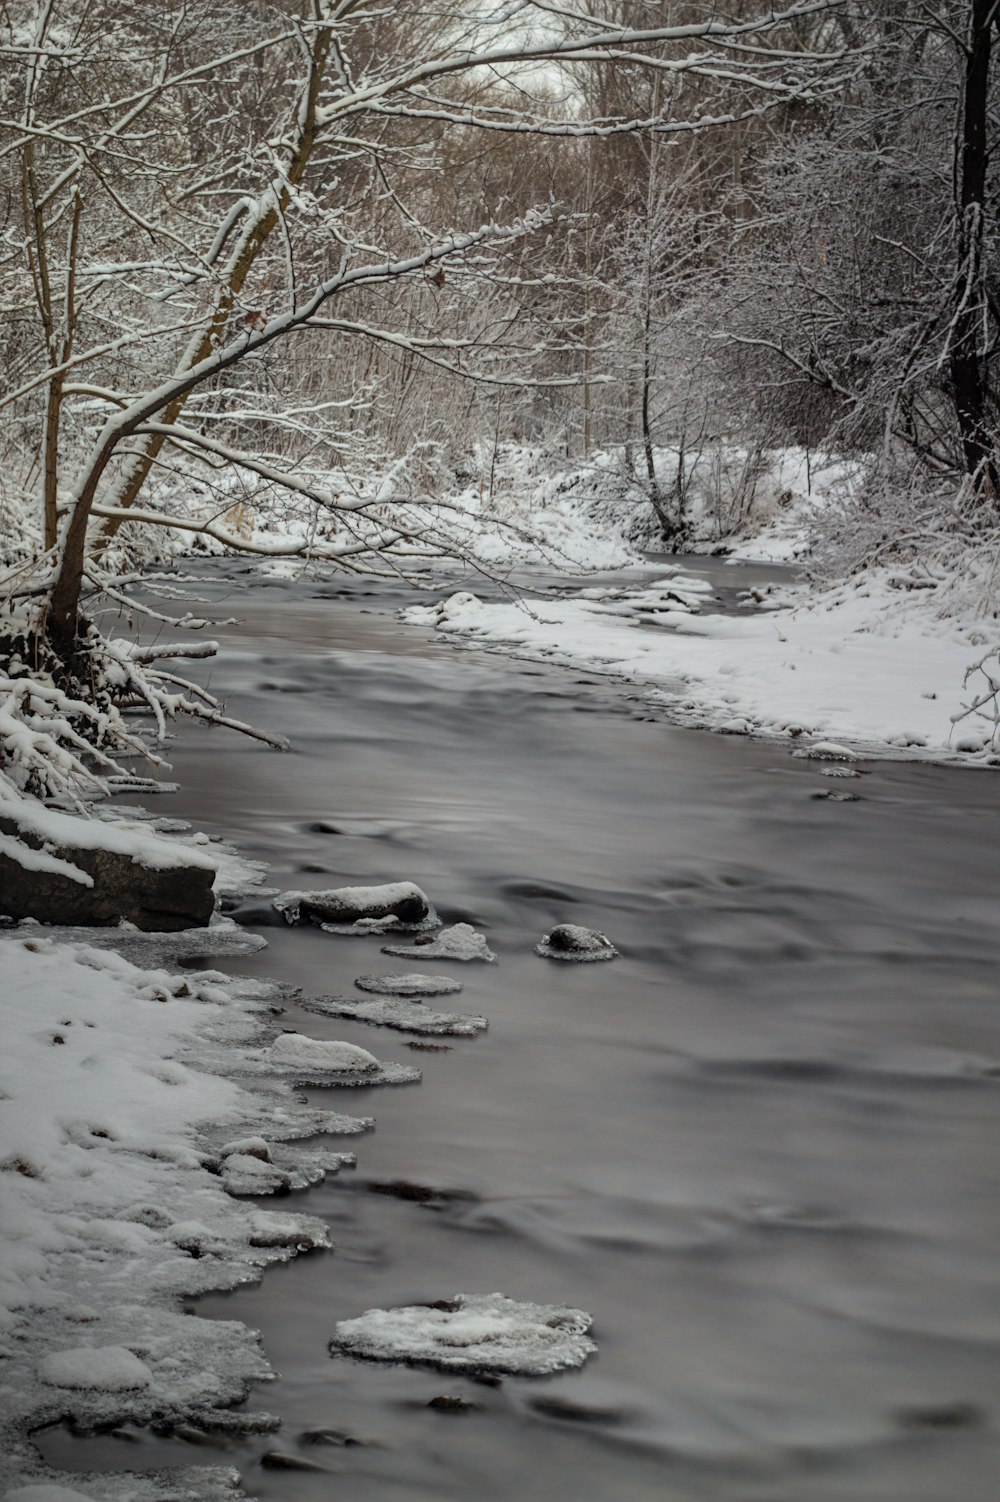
x,y
760,1148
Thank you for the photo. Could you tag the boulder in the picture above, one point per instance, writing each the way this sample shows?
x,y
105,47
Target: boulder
x,y
401,900
155,898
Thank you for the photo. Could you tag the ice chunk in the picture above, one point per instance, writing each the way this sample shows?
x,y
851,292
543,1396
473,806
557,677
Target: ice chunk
x,y
570,941
400,900
95,1368
409,985
410,1016
243,1174
460,942
294,1050
472,1333
252,1147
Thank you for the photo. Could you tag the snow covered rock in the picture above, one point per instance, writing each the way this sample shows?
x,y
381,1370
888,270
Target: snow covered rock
x,y
472,1333
409,985
321,1062
95,1368
65,870
460,942
825,751
400,900
294,1050
570,941
243,1174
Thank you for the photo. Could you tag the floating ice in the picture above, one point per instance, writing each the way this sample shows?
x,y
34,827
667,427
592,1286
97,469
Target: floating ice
x,y
472,1333
570,941
460,942
409,1016
409,985
101,1368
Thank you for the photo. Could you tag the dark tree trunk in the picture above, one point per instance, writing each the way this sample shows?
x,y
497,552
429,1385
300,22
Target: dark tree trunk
x,y
967,360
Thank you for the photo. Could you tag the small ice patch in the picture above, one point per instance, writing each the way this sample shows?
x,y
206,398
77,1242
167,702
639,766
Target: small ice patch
x,y
460,942
570,941
95,1369
398,1012
294,1051
409,985
472,1333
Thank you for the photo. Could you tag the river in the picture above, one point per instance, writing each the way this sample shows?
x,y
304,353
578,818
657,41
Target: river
x,y
760,1148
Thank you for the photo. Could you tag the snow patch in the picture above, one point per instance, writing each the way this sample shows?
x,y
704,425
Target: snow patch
x,y
460,942
101,1368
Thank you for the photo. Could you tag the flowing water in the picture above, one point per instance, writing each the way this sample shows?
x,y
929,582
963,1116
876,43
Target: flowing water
x,y
761,1147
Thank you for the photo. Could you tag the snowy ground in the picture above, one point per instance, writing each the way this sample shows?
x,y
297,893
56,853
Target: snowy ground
x,y
136,1105
868,663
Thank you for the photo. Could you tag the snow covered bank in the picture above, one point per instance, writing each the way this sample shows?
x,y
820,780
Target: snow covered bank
x,y
125,1116
869,662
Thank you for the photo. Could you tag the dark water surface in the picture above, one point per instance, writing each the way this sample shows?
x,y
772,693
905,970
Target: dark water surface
x,y
761,1148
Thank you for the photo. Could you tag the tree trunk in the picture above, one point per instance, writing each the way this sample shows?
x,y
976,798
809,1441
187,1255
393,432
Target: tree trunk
x,y
967,361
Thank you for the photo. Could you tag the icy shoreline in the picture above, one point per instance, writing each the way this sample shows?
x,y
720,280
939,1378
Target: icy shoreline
x,y
864,664
133,1104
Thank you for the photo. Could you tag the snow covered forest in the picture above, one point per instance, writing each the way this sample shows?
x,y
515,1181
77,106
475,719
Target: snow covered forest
x,y
364,285
653,340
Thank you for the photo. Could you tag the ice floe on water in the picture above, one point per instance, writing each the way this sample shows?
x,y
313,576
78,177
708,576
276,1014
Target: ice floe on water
x,y
398,1012
460,942
570,941
472,1333
409,985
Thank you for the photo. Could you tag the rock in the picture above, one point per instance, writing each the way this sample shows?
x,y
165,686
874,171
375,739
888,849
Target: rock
x,y
566,1408
154,899
295,1050
421,1194
401,900
284,1460
570,941
447,1402
338,1437
248,1147
244,1174
956,1415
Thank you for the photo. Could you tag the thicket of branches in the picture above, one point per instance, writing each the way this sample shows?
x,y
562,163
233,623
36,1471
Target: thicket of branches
x,y
305,254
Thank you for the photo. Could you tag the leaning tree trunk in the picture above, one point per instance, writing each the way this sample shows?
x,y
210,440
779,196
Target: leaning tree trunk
x,y
967,357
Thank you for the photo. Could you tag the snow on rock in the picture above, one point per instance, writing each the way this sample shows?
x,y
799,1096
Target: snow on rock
x,y
315,1060
242,1173
825,751
294,1050
402,902
409,985
62,869
103,1368
472,1333
460,942
570,941
398,1012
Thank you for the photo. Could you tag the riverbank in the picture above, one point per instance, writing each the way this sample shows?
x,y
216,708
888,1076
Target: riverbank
x,y
873,663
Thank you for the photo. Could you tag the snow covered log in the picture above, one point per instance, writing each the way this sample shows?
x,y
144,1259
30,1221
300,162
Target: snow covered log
x,y
64,870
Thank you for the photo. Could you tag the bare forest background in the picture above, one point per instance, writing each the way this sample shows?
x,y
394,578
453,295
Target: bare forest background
x,y
289,277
